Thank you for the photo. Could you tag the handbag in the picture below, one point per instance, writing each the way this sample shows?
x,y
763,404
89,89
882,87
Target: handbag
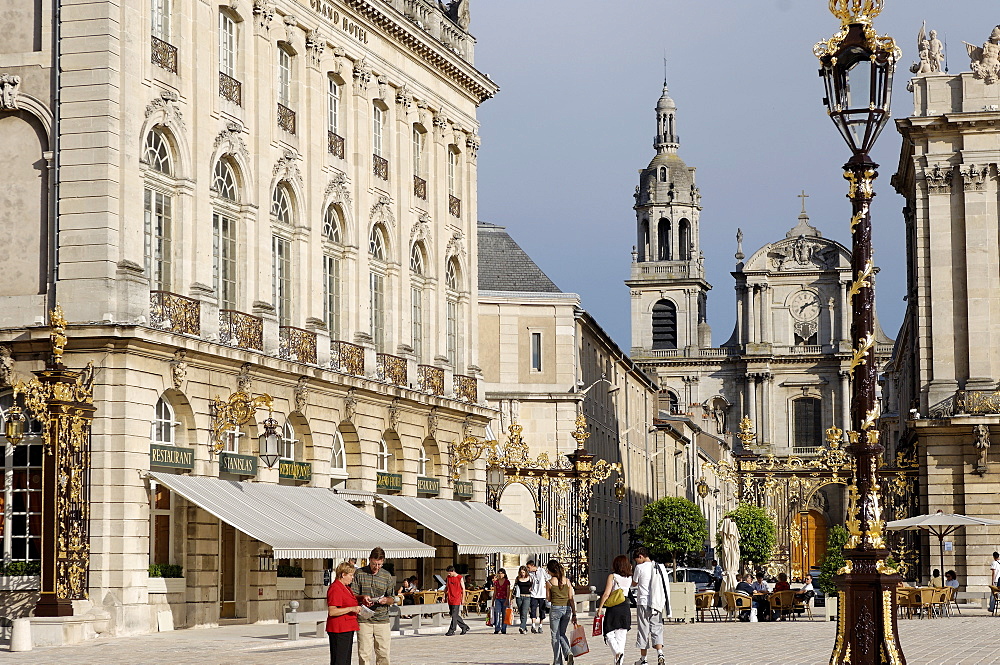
x,y
508,616
598,626
578,641
616,597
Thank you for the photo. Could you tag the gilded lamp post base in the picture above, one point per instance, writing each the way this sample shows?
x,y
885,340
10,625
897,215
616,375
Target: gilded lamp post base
x,y
866,622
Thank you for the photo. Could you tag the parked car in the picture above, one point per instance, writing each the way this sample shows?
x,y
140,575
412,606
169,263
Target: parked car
x,y
702,578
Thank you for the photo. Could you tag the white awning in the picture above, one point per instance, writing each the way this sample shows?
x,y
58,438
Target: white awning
x,y
474,527
297,522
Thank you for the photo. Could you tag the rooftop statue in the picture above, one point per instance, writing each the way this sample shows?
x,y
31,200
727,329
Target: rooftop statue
x,y
457,11
931,52
986,60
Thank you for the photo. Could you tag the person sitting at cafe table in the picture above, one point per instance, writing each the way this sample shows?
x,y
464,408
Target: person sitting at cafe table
x,y
760,600
409,587
745,588
936,580
951,579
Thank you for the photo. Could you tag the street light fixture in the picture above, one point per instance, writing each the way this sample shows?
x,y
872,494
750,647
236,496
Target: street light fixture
x,y
703,488
13,428
268,441
857,67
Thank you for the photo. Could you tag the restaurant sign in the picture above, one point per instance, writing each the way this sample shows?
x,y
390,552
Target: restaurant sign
x,y
171,457
241,465
463,489
295,470
389,482
428,485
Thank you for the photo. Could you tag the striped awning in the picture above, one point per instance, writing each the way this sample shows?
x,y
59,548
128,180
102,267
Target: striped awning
x,y
474,527
297,522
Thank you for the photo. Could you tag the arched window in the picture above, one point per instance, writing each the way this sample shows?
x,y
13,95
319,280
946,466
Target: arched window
x,y
451,275
807,423
667,401
664,325
157,153
417,259
382,457
663,240
376,243
338,462
451,281
684,240
332,225
417,300
644,240
663,174
281,204
422,460
164,425
224,181
376,283
20,492
286,446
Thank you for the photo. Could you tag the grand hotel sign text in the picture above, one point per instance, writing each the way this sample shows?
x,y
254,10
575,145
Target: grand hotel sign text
x,y
346,24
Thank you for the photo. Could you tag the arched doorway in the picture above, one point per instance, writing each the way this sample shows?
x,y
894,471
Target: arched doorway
x,y
518,504
809,547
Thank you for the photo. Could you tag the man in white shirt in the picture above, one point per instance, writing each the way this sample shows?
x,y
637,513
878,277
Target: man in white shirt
x,y
994,577
652,604
537,596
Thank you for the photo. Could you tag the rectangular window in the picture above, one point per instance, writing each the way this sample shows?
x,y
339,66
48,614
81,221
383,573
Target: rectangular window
x,y
159,532
418,150
451,332
160,17
224,264
417,321
378,121
377,310
284,77
331,300
536,351
281,251
227,45
333,108
452,169
21,500
157,208
232,441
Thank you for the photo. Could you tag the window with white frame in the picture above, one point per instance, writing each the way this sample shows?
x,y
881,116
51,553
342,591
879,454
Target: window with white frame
x,y
284,77
286,445
164,428
158,209
332,225
451,331
227,44
224,266
333,107
331,295
418,151
20,493
224,181
536,352
231,440
157,152
281,250
417,300
161,518
451,276
338,461
452,172
376,243
377,307
378,129
422,461
281,204
160,18
382,456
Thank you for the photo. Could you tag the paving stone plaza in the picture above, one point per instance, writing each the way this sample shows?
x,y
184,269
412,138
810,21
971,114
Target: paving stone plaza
x,y
968,639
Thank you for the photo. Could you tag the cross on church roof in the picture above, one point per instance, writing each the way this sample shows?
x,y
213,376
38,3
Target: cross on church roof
x,y
803,196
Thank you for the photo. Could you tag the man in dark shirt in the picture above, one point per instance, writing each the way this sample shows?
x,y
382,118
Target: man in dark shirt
x,y
375,588
745,588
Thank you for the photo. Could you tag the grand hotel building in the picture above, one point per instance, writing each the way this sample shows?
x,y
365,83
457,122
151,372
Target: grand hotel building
x,y
270,197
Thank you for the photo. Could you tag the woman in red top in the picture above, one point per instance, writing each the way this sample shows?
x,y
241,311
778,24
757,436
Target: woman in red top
x,y
501,601
342,621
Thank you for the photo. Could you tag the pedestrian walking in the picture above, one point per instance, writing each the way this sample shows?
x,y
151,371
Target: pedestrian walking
x,y
994,579
559,593
375,588
652,604
455,594
538,596
614,607
501,601
522,590
342,615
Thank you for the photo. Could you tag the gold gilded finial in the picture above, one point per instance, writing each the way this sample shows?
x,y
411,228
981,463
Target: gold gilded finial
x,y
580,433
746,434
856,11
58,334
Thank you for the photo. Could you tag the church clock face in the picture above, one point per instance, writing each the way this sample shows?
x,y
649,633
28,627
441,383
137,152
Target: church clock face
x,y
805,305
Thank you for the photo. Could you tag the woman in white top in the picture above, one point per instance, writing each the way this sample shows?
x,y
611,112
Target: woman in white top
x,y
617,618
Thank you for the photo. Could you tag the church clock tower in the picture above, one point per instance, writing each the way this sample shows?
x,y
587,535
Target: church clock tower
x,y
668,287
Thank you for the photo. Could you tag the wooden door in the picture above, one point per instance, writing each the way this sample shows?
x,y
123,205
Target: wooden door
x,y
810,548
227,572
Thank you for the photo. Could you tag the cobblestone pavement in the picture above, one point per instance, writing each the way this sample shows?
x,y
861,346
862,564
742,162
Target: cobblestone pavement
x,y
971,638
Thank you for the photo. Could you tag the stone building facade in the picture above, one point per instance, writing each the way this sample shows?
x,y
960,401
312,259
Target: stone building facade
x,y
940,389
270,197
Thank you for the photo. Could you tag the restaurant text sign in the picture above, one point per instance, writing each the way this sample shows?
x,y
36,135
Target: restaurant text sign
x,y
389,482
428,485
171,457
295,470
241,465
463,489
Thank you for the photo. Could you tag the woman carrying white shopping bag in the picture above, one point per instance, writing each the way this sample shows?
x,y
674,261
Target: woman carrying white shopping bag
x,y
614,608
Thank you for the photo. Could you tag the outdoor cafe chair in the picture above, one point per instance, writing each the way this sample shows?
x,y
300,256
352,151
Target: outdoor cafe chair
x,y
705,602
736,602
782,602
952,599
804,604
907,600
996,599
927,596
939,601
472,598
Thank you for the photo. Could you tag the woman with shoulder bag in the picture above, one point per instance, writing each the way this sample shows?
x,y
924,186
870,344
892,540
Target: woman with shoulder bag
x,y
614,607
523,585
559,592
501,601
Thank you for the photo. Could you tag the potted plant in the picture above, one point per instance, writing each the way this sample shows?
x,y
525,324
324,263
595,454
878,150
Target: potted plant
x,y
166,578
290,578
833,562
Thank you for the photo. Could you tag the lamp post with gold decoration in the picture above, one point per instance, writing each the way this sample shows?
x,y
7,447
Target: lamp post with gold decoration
x,y
62,400
857,66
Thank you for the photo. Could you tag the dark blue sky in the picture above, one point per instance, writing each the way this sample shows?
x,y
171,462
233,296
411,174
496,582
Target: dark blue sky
x,y
574,122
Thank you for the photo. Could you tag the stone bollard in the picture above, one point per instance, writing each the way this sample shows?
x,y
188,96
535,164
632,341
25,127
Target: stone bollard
x,y
20,635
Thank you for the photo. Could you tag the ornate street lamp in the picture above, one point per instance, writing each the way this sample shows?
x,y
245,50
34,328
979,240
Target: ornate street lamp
x,y
703,488
268,441
13,428
857,66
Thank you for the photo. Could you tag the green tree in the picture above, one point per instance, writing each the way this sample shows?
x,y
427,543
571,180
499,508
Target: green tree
x,y
834,559
757,533
673,526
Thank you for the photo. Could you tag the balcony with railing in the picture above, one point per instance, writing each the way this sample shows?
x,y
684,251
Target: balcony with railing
x,y
967,403
430,379
661,269
230,89
391,369
286,119
419,187
454,206
807,451
335,144
466,388
173,312
240,329
297,344
347,358
380,167
164,55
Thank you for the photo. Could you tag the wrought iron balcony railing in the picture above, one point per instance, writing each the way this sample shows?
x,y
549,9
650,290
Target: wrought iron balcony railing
x,y
419,187
176,313
454,206
335,144
380,167
164,55
431,379
466,388
297,344
240,329
391,369
231,89
967,403
286,118
347,358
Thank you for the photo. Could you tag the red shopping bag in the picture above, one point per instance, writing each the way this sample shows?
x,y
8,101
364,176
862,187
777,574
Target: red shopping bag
x,y
578,641
508,616
598,625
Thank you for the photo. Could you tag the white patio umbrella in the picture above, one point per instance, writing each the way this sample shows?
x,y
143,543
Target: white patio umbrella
x,y
730,555
940,524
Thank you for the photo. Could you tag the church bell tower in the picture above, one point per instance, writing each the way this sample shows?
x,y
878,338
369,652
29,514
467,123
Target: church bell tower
x,y
668,287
